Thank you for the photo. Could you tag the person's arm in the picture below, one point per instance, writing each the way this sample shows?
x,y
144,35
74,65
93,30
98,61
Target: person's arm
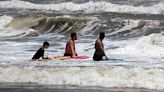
x,y
43,57
106,57
73,50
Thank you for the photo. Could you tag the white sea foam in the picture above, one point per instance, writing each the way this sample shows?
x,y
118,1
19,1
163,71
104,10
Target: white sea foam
x,y
5,20
129,24
17,67
17,33
152,45
104,74
88,76
88,7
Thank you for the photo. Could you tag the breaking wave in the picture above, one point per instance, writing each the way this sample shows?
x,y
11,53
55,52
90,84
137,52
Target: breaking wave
x,y
152,46
88,7
87,76
35,25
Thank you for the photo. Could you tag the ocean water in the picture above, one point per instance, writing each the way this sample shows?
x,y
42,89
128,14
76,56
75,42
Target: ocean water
x,y
134,32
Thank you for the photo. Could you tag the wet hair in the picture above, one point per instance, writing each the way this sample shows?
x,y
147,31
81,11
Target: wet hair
x,y
46,43
102,35
73,35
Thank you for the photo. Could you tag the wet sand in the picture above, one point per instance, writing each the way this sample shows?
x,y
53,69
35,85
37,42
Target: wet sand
x,y
31,87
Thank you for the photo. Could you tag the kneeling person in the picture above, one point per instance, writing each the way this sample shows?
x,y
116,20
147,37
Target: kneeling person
x,y
70,46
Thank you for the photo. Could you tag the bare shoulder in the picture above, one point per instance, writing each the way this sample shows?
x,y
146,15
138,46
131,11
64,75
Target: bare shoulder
x,y
98,41
70,42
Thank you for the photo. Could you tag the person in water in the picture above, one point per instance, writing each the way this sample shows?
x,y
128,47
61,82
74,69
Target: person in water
x,y
40,53
99,48
70,46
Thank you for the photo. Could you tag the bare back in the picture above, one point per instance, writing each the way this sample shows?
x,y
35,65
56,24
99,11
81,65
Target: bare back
x,y
99,47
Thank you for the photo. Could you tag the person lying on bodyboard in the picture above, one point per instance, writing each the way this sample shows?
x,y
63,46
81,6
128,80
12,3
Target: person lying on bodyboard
x,y
39,55
99,48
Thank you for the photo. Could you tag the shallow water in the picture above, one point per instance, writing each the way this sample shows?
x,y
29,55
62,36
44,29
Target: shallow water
x,y
134,37
15,87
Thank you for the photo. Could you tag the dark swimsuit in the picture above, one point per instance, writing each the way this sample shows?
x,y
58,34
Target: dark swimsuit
x,y
97,57
38,54
66,54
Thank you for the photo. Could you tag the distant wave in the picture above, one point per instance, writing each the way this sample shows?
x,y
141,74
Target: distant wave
x,y
89,7
40,24
34,25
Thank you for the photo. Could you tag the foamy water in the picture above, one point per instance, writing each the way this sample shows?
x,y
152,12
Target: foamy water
x,y
149,46
88,7
87,76
136,44
139,69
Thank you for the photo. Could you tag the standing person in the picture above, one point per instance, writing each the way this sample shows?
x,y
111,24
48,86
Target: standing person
x,y
40,53
99,48
70,46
